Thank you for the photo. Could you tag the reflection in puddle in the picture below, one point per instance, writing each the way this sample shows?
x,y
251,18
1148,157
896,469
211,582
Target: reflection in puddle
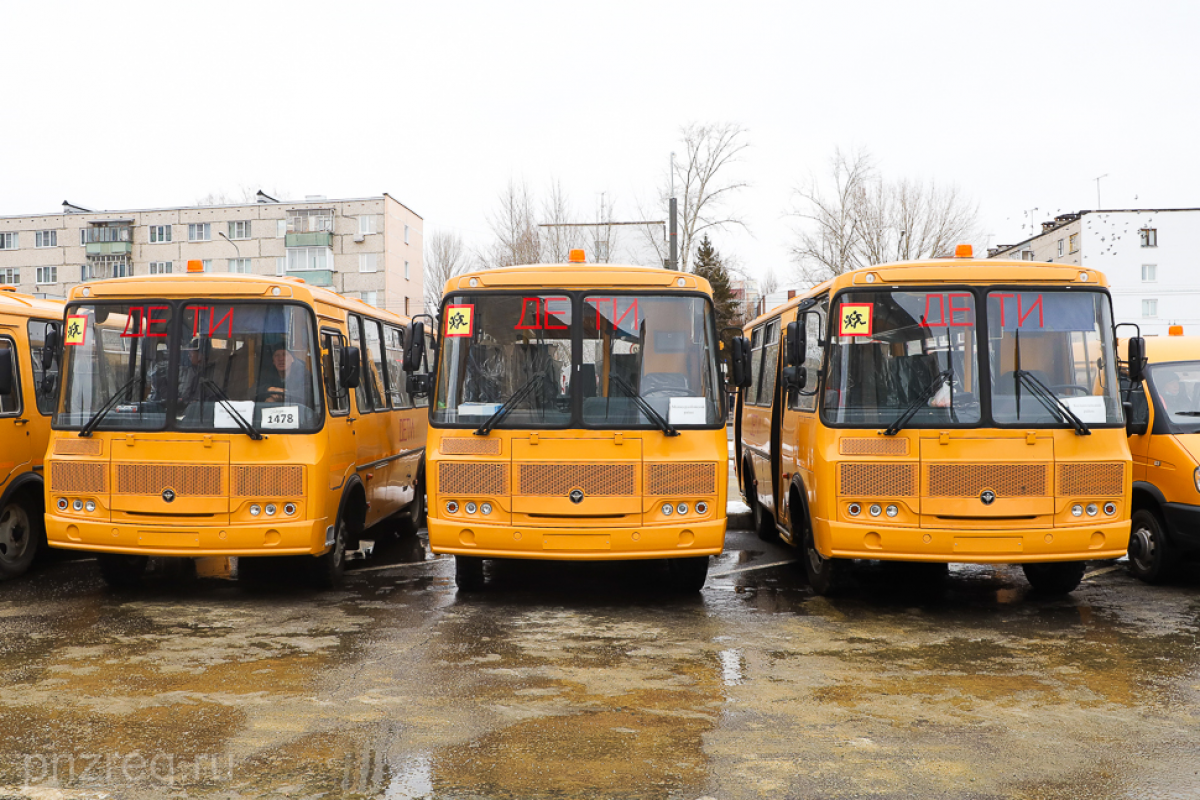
x,y
414,779
731,667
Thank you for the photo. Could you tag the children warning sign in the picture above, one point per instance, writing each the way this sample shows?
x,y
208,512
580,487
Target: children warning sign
x,y
460,320
76,331
856,319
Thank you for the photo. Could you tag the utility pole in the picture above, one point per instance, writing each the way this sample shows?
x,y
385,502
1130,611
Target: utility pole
x,y
673,232
1098,206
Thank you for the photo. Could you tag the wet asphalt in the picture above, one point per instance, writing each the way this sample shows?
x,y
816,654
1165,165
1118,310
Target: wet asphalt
x,y
594,681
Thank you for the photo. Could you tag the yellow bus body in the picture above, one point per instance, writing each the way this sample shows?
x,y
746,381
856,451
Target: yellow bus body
x,y
24,427
361,467
805,474
626,475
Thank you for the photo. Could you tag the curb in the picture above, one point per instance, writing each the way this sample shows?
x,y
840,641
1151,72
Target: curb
x,y
742,521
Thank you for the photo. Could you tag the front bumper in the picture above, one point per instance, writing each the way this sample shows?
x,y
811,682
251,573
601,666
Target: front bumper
x,y
579,543
1015,546
299,537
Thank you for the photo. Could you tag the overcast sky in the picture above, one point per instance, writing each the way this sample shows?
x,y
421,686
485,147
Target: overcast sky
x,y
1021,104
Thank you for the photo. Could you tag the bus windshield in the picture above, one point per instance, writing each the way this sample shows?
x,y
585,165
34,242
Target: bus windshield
x,y
521,349
189,366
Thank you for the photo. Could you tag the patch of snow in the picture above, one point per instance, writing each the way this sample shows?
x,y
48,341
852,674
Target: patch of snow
x,y
737,507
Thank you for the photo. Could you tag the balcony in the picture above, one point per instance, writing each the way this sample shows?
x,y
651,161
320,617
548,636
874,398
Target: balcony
x,y
316,239
313,277
109,248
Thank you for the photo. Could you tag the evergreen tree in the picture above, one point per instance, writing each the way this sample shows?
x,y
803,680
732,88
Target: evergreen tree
x,y
708,265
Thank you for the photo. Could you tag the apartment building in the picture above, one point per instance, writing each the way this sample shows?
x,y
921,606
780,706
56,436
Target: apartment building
x,y
1149,256
369,248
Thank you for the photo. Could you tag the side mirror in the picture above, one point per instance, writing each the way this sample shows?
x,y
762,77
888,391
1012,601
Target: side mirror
x,y
740,364
6,371
794,345
50,347
1137,359
351,367
1133,428
414,346
794,378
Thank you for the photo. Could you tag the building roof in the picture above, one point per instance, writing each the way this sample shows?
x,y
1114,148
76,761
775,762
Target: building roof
x,y
1067,219
325,201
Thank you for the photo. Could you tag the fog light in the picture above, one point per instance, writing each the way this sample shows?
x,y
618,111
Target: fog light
x,y
1110,508
668,509
486,508
271,509
289,509
682,508
892,511
472,508
63,505
702,507
452,506
1077,510
77,505
90,506
255,510
876,509
1092,509
854,509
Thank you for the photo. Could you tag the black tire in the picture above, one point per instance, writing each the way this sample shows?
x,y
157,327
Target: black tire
x,y
1150,552
1054,578
825,575
120,570
418,509
328,568
468,573
764,521
688,574
22,531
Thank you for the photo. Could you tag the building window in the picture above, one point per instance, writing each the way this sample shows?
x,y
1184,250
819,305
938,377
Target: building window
x,y
240,265
161,267
47,275
10,276
367,262
310,220
406,275
101,267
1027,255
308,258
406,234
370,297
281,265
199,232
160,233
9,241
106,233
1149,273
1074,243
239,229
206,264
368,224
1150,308
406,313
45,239
1061,247
280,228
1149,237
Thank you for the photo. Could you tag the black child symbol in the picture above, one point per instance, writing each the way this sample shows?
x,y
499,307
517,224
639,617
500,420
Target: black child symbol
x,y
855,320
73,330
457,321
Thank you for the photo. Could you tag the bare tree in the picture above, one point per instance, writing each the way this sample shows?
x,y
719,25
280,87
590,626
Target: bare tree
x,y
445,257
860,219
245,193
705,182
514,225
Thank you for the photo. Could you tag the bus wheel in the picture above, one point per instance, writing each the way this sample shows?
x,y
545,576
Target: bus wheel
x,y
1150,557
120,570
20,538
1059,577
418,509
824,574
328,569
688,574
468,573
764,521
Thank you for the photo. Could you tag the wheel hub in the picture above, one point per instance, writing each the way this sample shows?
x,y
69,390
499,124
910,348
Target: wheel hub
x,y
1141,548
13,539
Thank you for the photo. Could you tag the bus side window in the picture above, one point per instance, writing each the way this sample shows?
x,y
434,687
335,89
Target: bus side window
x,y
393,340
770,364
756,344
427,365
10,403
331,364
45,377
373,368
362,395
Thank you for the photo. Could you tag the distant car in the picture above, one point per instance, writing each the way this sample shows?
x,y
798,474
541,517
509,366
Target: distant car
x,y
1164,438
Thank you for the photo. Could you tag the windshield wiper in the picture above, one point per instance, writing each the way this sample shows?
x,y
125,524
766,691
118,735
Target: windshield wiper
x,y
108,406
509,405
1052,402
643,405
933,386
246,427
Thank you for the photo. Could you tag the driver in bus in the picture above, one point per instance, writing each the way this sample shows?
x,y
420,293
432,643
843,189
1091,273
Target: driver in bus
x,y
1174,397
287,379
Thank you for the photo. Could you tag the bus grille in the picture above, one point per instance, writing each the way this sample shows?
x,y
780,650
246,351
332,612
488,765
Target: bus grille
x,y
472,478
79,477
673,479
187,480
78,447
970,480
878,446
878,480
595,480
1098,480
273,481
475,446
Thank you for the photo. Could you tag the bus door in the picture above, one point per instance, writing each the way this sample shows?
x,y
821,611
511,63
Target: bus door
x,y
15,447
342,446
799,428
373,443
766,431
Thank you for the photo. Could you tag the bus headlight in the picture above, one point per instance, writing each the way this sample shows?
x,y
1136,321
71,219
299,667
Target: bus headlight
x,y
892,511
1196,478
667,509
876,509
486,508
89,506
1092,509
471,508
255,510
271,509
1077,510
77,505
682,508
62,504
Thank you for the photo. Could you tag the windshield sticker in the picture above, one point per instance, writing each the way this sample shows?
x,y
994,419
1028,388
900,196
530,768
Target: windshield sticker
x,y
460,320
545,316
76,330
624,312
1088,409
856,319
687,411
213,323
960,315
223,419
281,418
140,320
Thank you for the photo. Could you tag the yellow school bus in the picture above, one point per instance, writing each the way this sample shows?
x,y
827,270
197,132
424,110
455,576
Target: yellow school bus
x,y
229,415
578,414
28,387
951,410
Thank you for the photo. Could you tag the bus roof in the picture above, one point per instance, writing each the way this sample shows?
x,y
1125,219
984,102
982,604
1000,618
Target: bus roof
x,y
982,271
578,276
28,306
220,285
1166,349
